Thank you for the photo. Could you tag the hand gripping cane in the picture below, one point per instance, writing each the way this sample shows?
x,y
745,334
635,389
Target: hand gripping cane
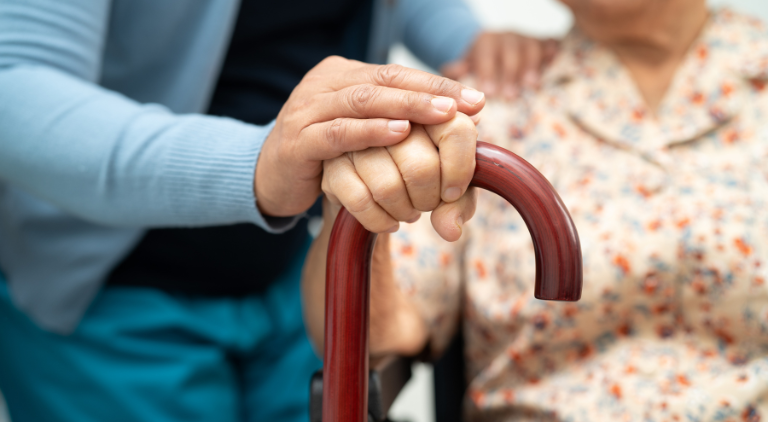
x,y
558,274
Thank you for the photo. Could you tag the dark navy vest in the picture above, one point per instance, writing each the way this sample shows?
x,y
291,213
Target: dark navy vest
x,y
274,44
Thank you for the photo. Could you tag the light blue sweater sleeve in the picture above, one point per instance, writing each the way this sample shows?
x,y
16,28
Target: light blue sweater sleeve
x,y
100,155
437,31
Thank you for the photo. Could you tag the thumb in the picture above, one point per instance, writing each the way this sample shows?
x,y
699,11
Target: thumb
x,y
448,218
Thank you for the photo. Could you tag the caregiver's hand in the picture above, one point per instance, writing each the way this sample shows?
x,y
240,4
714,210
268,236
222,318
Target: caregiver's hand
x,y
341,106
504,61
430,170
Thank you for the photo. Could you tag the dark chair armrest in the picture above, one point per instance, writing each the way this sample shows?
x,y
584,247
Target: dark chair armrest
x,y
387,377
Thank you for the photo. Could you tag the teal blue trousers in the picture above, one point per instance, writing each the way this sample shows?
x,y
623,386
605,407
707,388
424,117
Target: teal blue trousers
x,y
141,355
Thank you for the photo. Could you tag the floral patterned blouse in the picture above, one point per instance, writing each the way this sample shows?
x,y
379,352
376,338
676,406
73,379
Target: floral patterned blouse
x,y
672,212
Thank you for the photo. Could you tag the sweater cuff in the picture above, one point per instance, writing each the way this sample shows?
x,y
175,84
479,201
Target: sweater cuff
x,y
211,168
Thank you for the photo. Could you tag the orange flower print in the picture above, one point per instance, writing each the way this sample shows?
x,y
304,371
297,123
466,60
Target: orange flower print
x,y
742,246
624,330
726,89
724,336
615,390
480,269
407,250
559,130
683,380
644,191
750,414
622,262
702,52
445,259
515,132
638,114
477,397
730,136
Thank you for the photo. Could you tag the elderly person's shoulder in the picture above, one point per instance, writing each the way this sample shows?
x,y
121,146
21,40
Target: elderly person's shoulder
x,y
587,90
735,42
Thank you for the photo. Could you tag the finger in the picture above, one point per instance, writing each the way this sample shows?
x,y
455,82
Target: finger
x,y
455,70
372,101
532,52
485,63
511,52
449,218
378,171
550,49
341,182
395,76
419,164
330,139
456,141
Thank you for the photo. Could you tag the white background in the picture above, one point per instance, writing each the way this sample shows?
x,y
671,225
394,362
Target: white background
x,y
533,17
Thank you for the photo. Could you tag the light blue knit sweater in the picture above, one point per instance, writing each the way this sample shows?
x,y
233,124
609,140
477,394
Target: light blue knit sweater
x,y
100,140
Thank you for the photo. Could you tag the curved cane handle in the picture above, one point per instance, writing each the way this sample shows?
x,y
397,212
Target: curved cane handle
x,y
558,273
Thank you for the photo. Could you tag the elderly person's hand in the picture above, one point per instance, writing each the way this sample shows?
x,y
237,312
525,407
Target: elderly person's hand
x,y
430,170
387,185
504,61
341,106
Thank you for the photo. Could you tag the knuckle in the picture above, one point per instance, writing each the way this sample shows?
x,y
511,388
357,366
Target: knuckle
x,y
386,191
378,223
332,61
427,203
299,105
358,201
443,86
464,123
336,132
410,102
422,172
460,128
390,74
361,96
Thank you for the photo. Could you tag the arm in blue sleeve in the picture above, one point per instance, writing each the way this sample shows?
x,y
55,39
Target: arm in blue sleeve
x,y
100,155
437,31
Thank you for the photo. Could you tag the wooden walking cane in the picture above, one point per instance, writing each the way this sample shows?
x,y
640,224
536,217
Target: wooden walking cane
x,y
558,274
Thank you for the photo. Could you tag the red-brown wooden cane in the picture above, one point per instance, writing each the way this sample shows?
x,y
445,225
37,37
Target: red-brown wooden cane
x,y
558,274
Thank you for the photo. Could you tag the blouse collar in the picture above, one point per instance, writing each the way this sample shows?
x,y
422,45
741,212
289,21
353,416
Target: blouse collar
x,y
728,59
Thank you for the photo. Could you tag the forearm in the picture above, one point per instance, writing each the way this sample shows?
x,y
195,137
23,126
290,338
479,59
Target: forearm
x,y
313,287
396,326
110,160
99,155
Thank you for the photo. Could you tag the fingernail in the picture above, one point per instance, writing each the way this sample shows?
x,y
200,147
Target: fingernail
x,y
471,96
460,224
489,87
398,125
475,118
393,229
442,104
451,194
